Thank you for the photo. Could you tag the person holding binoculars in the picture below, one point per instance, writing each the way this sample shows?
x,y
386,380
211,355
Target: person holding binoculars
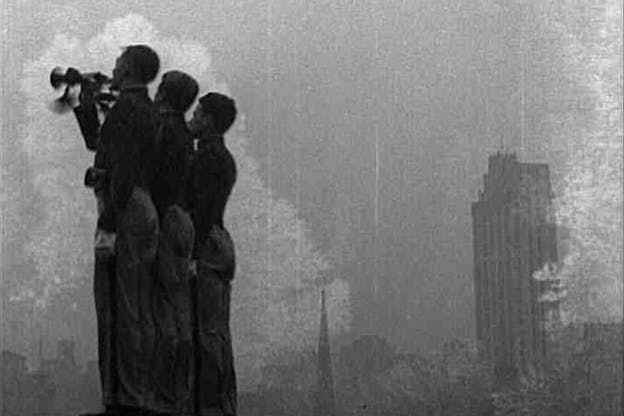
x,y
127,229
164,260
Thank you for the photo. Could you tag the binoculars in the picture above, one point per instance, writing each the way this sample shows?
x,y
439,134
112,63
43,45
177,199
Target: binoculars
x,y
91,83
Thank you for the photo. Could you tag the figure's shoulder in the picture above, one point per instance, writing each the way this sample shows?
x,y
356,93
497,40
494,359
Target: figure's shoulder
x,y
129,108
213,157
176,125
205,154
174,135
123,110
228,158
114,119
217,151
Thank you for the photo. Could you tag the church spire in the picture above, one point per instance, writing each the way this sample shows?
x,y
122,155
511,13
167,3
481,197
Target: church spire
x,y
325,386
40,353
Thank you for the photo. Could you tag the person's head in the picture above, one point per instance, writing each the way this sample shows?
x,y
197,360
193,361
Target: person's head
x,y
216,111
137,64
177,90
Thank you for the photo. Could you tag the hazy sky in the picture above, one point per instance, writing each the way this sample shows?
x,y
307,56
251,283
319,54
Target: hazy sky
x,y
375,119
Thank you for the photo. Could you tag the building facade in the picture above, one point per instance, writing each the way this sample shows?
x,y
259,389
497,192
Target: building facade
x,y
514,237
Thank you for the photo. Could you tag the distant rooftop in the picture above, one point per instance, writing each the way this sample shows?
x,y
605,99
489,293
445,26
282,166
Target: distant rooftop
x,y
505,173
6,354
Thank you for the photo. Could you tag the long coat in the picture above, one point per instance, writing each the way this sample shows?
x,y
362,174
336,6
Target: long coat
x,y
172,297
213,175
122,288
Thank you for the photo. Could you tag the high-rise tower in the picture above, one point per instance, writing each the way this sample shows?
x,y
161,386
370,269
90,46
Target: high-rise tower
x,y
514,236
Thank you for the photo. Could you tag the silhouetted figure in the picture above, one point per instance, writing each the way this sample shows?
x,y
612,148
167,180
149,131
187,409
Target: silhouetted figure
x,y
127,229
172,297
213,174
86,113
128,221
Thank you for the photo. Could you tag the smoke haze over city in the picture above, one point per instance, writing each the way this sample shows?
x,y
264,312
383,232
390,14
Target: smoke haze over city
x,y
364,132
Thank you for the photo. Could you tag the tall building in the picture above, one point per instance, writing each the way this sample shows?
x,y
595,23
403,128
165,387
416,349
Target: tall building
x,y
514,236
325,388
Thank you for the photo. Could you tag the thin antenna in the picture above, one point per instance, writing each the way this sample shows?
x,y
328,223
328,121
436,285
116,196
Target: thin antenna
x,y
376,212
376,223
522,63
269,210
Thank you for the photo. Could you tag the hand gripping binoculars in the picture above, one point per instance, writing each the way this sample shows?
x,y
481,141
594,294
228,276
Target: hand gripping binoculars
x,y
93,86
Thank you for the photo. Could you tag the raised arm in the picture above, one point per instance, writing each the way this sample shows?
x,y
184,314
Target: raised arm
x,y
89,123
86,114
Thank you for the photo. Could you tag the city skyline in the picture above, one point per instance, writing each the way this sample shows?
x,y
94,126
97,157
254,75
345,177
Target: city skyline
x,y
364,134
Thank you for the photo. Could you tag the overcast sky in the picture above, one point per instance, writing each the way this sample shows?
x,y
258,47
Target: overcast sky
x,y
375,119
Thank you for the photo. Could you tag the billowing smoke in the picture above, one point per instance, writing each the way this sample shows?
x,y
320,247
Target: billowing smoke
x,y
589,200
276,302
279,272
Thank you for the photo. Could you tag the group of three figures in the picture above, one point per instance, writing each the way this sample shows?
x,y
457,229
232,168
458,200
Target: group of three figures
x,y
164,261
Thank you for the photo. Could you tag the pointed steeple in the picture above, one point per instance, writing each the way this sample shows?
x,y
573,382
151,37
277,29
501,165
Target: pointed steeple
x,y
325,380
40,353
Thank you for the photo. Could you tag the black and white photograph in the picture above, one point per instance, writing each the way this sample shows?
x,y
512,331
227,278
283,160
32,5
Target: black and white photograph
x,y
311,208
